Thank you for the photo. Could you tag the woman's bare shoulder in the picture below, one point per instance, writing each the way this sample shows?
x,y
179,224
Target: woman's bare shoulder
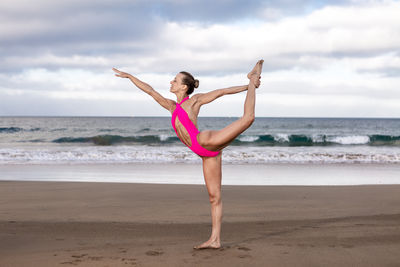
x,y
196,98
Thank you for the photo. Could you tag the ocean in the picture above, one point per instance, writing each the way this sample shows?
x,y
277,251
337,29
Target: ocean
x,y
110,140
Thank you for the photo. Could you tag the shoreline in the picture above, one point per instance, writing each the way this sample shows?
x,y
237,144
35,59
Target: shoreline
x,y
181,173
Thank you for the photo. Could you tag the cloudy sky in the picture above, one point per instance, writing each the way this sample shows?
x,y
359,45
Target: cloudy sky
x,y
322,58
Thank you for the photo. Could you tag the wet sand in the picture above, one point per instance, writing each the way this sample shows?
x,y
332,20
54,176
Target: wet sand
x,y
110,224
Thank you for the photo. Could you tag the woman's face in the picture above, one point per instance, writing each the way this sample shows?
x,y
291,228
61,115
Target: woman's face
x,y
176,84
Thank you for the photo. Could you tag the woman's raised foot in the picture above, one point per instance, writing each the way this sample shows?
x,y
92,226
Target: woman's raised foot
x,y
256,70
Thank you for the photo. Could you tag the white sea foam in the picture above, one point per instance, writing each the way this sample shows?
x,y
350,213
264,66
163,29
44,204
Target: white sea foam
x,y
164,137
282,138
248,138
349,140
181,154
318,138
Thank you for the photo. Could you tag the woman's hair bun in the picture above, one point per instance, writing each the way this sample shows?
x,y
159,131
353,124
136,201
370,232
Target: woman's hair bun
x,y
189,81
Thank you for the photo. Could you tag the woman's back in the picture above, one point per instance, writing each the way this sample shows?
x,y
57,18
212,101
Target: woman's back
x,y
192,110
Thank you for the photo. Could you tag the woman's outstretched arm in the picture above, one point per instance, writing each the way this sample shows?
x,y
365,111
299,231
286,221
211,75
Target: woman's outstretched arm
x,y
164,102
211,96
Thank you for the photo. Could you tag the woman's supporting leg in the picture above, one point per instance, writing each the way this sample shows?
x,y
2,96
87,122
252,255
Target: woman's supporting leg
x,y
217,140
213,175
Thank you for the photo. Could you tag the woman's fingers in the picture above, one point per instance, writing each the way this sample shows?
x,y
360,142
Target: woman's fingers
x,y
120,73
114,69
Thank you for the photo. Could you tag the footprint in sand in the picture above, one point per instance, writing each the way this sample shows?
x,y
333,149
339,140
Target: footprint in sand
x,y
77,259
95,258
129,261
74,262
154,253
244,256
244,248
122,250
79,256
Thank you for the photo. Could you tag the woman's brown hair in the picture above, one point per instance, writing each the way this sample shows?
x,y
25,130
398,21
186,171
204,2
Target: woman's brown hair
x,y
190,81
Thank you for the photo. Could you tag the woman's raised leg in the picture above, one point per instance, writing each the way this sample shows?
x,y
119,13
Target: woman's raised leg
x,y
213,175
217,140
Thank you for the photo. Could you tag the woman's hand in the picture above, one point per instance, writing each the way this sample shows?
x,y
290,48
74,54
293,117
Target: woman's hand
x,y
121,74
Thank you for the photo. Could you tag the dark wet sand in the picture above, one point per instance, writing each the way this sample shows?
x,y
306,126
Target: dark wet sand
x,y
105,224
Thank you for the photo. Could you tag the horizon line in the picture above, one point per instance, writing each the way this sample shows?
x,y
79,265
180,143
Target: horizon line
x,y
102,116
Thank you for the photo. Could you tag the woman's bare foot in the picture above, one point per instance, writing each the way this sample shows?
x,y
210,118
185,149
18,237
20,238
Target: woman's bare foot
x,y
254,74
209,245
256,70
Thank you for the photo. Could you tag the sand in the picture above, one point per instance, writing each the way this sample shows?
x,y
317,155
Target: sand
x,y
120,224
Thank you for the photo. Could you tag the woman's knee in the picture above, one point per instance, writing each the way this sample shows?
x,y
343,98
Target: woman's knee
x,y
215,199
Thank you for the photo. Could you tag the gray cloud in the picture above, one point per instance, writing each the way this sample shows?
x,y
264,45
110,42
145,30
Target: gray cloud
x,y
80,41
103,27
211,11
384,72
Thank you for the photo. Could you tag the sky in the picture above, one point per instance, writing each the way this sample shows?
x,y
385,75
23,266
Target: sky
x,y
322,58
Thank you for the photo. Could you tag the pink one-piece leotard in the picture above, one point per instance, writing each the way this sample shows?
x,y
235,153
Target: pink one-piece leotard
x,y
191,129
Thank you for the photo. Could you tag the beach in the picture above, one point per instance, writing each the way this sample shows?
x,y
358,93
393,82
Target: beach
x,y
109,110
49,223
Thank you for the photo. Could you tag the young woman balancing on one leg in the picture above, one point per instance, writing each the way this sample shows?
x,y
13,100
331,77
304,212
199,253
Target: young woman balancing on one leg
x,y
207,144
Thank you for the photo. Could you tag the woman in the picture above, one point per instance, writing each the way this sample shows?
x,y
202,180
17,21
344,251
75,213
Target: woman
x,y
207,144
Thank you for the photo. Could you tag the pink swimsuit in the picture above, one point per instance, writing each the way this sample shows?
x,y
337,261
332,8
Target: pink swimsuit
x,y
192,130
